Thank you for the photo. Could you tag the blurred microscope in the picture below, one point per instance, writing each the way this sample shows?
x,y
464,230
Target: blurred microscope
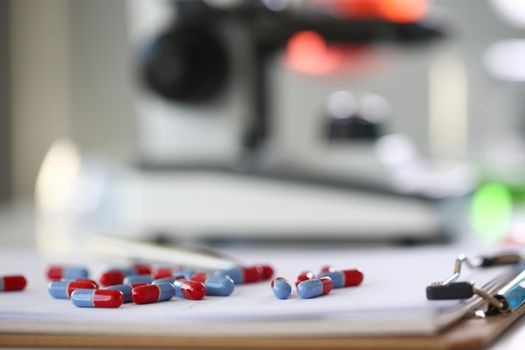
x,y
279,120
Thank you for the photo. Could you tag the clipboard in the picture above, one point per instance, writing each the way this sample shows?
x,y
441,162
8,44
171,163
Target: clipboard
x,y
467,333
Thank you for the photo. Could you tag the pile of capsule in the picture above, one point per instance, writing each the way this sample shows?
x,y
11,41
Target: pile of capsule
x,y
310,285
141,284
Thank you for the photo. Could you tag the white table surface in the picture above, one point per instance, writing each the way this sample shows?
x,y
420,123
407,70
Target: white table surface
x,y
17,226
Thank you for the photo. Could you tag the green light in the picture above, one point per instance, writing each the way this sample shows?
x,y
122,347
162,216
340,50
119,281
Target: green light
x,y
490,211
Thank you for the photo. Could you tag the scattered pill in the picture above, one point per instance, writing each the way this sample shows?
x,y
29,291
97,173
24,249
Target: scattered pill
x,y
125,289
152,293
215,284
241,275
58,272
116,275
315,287
189,289
64,289
12,283
344,278
281,288
303,276
138,279
97,298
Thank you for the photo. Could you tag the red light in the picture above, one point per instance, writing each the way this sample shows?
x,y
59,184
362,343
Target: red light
x,y
308,52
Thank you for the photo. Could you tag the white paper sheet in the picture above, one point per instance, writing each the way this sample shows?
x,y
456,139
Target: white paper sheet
x,y
390,301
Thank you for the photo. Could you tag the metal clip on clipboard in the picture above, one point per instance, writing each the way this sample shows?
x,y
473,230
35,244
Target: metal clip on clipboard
x,y
506,299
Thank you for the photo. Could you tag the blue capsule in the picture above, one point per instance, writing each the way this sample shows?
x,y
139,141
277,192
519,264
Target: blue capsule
x,y
219,286
125,289
281,288
138,279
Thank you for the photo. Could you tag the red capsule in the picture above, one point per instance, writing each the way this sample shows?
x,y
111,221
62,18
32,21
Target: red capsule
x,y
12,283
80,284
111,278
193,290
328,284
142,269
145,294
303,276
352,277
251,274
267,272
152,293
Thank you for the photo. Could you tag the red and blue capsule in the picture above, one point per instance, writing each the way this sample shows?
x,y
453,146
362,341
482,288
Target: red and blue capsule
x,y
99,298
125,289
315,287
116,276
249,274
215,284
281,288
152,293
59,272
12,283
64,289
344,278
189,289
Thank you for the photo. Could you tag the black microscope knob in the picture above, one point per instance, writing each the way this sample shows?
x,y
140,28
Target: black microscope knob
x,y
186,64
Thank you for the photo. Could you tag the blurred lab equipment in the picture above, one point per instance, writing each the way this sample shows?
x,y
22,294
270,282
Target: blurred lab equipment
x,y
254,123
